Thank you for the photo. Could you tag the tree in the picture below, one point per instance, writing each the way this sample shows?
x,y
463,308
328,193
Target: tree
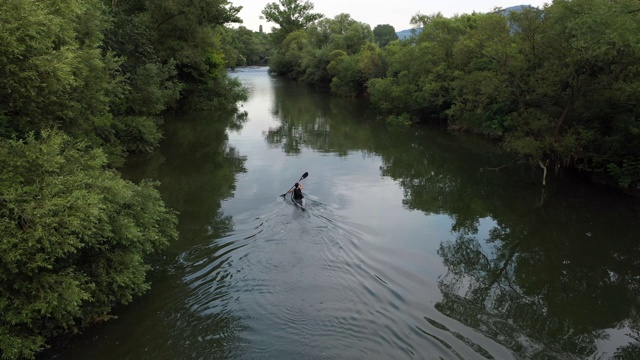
x,y
287,59
580,75
488,66
52,72
184,31
309,55
290,15
253,47
57,69
351,72
419,75
552,84
348,34
75,237
384,34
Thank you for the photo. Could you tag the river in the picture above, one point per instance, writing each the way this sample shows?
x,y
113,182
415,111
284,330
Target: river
x,y
415,244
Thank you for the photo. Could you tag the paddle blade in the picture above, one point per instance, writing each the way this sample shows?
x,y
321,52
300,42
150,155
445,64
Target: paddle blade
x,y
304,176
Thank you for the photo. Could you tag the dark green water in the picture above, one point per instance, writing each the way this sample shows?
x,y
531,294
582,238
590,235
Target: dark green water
x,y
407,249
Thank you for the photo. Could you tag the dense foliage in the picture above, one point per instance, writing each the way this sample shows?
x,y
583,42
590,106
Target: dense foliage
x,y
290,15
384,34
74,239
555,86
338,52
82,84
244,47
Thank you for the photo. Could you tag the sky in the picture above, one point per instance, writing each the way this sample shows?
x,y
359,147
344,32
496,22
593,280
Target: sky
x,y
397,13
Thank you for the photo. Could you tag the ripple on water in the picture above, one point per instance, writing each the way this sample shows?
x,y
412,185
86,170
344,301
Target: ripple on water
x,y
318,284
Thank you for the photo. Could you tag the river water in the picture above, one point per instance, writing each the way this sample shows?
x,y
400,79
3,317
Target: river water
x,y
413,245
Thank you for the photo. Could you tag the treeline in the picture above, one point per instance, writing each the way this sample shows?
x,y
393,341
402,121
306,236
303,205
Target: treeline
x,y
557,86
83,84
244,47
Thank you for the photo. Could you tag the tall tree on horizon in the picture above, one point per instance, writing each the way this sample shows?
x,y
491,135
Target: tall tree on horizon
x,y
290,15
384,34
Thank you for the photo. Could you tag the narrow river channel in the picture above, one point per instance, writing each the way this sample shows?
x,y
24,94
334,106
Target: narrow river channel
x,y
412,245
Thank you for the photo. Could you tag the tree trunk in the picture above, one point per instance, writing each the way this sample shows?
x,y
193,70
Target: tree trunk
x,y
544,174
560,121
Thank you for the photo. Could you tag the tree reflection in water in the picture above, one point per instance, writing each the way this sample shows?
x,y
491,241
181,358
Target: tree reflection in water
x,y
543,286
555,272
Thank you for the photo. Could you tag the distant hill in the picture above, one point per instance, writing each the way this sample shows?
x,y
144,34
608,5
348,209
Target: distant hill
x,y
407,33
404,34
506,11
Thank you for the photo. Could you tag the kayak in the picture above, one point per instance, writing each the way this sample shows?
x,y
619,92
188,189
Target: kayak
x,y
298,203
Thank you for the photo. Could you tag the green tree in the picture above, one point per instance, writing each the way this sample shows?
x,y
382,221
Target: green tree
x,y
58,70
75,239
310,58
384,34
351,73
419,75
552,84
315,62
185,31
52,71
345,74
345,33
149,86
290,15
287,59
589,70
488,67
246,47
564,79
325,36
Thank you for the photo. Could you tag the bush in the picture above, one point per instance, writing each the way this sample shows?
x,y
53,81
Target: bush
x,y
74,239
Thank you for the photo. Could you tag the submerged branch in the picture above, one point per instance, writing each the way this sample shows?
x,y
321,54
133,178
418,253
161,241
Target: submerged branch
x,y
500,167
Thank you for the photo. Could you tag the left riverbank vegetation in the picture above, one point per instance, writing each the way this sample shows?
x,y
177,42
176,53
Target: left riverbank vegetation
x,y
556,86
82,85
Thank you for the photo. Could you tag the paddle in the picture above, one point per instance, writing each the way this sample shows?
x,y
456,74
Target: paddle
x,y
301,178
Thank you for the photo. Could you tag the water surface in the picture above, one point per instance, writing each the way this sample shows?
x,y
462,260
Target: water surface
x,y
412,246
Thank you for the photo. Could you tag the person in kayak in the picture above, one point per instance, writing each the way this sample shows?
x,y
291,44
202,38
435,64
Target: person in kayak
x,y
297,194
